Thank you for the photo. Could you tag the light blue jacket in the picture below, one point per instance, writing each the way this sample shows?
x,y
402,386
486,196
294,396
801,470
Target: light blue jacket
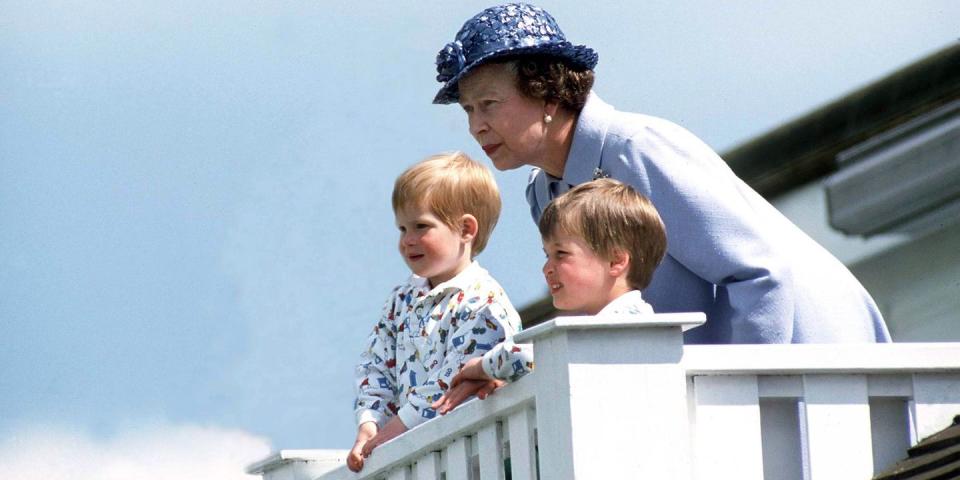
x,y
730,254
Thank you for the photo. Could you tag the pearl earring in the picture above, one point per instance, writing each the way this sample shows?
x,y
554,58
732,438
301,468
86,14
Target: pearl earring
x,y
547,118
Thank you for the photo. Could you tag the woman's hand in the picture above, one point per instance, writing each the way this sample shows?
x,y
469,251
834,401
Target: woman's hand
x,y
392,429
365,432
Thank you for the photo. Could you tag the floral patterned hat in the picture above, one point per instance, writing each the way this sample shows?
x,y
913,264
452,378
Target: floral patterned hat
x,y
511,29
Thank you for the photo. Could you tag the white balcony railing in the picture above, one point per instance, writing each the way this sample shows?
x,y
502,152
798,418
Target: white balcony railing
x,y
621,397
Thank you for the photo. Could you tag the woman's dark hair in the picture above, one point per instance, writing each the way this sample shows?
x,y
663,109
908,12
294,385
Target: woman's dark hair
x,y
552,78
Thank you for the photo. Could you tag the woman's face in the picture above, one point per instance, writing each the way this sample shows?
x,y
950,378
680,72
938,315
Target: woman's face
x,y
508,125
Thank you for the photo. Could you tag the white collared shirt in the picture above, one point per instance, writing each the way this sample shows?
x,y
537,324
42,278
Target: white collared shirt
x,y
630,303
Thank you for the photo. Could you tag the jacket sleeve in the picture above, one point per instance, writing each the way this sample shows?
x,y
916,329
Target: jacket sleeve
x,y
473,330
376,383
718,228
508,361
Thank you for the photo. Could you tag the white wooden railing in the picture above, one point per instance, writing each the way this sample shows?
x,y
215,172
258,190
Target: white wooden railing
x,y
621,397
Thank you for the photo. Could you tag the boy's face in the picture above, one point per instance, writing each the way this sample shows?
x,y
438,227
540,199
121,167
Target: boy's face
x,y
578,279
430,248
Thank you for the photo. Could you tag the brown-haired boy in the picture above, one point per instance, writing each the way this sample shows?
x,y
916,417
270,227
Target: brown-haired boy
x,y
603,241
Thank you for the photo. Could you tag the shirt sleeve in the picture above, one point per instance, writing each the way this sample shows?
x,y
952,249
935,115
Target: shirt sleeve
x,y
475,327
508,361
376,383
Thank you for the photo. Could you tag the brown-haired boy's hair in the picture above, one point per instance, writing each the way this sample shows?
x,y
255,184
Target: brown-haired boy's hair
x,y
451,185
611,216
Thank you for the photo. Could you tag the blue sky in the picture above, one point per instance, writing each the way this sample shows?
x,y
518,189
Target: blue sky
x,y
195,228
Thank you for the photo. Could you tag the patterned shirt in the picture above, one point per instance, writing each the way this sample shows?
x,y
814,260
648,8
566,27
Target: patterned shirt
x,y
510,361
423,339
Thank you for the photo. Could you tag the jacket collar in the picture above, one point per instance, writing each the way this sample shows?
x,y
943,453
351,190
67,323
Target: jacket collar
x,y
586,149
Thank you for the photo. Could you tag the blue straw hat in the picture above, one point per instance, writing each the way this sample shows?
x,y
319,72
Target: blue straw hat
x,y
511,29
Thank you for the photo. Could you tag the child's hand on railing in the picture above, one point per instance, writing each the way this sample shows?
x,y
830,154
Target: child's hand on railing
x,y
471,380
365,432
472,370
391,430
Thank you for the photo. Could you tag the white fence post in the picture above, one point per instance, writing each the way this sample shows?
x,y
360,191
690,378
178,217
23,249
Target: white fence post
x,y
611,396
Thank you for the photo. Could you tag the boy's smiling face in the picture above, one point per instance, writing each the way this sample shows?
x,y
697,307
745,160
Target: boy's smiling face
x,y
430,247
579,280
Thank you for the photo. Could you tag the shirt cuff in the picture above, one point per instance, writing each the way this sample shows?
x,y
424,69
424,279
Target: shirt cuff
x,y
364,416
489,358
410,416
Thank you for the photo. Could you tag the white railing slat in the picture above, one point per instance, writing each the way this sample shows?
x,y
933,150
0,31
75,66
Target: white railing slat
x,y
400,473
837,427
458,459
428,467
890,430
728,428
936,399
522,447
780,433
490,449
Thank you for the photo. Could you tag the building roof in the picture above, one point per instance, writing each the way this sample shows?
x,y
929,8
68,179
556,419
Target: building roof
x,y
806,148
936,457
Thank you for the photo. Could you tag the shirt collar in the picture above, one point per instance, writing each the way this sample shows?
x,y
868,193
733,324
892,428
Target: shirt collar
x,y
461,281
587,146
623,304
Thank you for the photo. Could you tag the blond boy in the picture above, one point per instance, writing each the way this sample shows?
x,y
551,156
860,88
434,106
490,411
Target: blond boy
x,y
449,311
603,241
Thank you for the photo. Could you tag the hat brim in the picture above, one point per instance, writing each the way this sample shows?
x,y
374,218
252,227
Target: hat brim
x,y
578,55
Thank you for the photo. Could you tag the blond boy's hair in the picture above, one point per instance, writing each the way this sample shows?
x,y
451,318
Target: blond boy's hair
x,y
611,217
451,185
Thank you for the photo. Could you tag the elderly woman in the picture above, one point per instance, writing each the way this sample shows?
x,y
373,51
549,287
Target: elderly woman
x,y
527,94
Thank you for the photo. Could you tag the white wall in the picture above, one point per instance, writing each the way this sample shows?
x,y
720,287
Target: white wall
x,y
915,280
917,286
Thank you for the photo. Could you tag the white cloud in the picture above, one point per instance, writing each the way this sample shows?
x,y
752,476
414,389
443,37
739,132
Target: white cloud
x,y
153,453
